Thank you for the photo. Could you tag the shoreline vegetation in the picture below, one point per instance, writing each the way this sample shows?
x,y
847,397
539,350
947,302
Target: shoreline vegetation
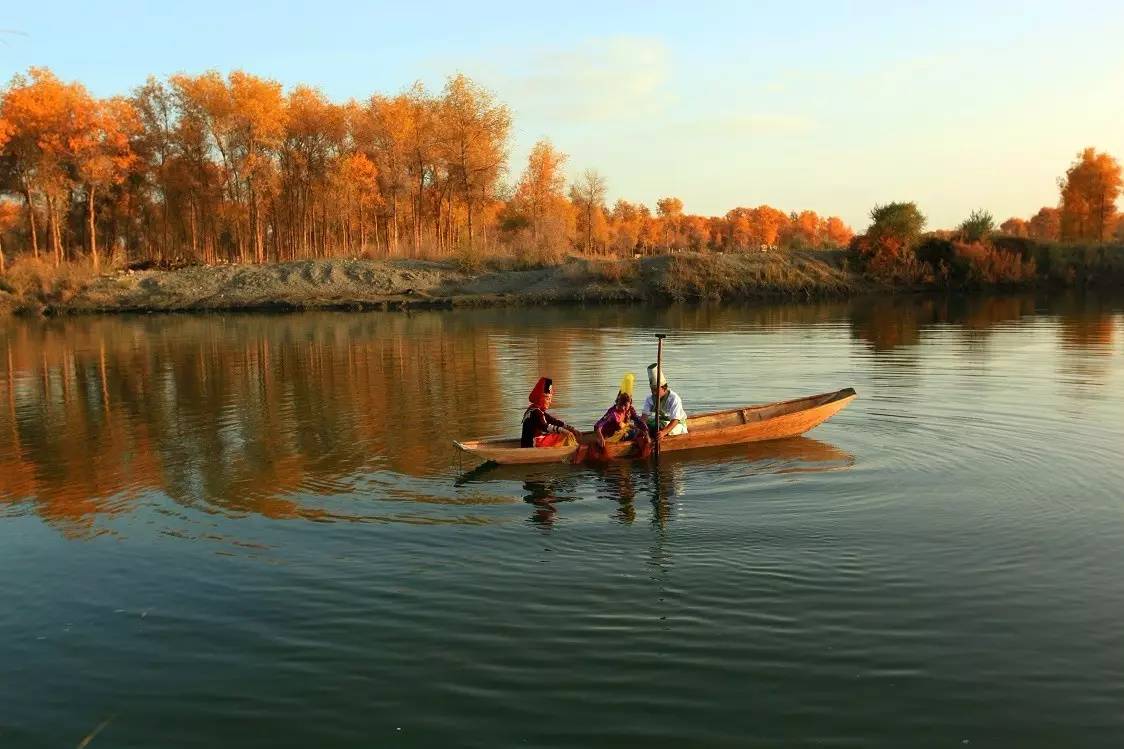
x,y
206,191
32,288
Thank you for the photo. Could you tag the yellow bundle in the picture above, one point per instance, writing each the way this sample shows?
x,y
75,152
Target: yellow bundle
x,y
626,384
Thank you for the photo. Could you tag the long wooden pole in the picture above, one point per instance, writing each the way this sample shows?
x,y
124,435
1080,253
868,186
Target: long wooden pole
x,y
656,395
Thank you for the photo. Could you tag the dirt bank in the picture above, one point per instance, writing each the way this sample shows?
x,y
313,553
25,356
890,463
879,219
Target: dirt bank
x,y
366,284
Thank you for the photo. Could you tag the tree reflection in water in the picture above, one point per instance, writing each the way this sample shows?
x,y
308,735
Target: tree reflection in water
x,y
239,415
297,416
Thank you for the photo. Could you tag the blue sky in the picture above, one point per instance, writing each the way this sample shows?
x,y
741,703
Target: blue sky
x,y
828,106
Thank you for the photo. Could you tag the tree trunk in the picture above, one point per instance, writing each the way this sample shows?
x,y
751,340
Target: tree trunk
x,y
165,239
91,227
393,245
53,229
347,233
418,214
1101,222
31,222
194,235
255,225
362,231
589,229
471,235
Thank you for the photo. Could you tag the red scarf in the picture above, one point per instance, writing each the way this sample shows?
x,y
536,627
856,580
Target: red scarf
x,y
538,395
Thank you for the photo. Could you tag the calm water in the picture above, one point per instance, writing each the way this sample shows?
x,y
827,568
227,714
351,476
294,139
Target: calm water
x,y
253,531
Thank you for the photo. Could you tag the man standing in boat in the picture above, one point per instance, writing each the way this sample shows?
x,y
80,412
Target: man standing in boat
x,y
673,419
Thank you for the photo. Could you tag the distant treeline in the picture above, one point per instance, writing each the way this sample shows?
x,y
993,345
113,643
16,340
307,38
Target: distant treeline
x,y
212,169
207,168
1080,242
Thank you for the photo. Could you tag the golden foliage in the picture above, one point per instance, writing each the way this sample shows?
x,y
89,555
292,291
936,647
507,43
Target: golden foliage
x,y
1088,200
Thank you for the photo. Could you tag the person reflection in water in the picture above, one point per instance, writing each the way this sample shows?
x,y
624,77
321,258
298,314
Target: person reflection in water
x,y
540,429
542,496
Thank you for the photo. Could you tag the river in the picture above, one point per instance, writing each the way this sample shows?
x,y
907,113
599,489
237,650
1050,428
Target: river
x,y
253,531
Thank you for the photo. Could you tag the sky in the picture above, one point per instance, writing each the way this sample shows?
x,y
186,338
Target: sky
x,y
833,107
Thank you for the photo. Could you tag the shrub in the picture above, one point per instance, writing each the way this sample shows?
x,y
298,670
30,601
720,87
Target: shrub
x,y
935,250
979,264
978,226
1024,247
36,282
895,224
888,259
1081,264
899,270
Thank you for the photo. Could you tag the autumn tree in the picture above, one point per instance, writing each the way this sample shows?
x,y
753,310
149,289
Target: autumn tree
x,y
310,150
423,153
1046,224
9,217
1014,227
9,213
1088,196
767,222
588,196
382,130
804,228
696,230
539,203
213,168
355,178
625,226
836,232
103,154
541,186
258,126
739,228
670,211
474,140
651,233
45,118
155,147
243,118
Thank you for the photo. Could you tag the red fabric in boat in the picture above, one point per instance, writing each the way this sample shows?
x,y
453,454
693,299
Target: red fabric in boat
x,y
554,439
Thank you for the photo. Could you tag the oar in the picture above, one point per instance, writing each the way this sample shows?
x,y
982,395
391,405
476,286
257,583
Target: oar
x,y
659,379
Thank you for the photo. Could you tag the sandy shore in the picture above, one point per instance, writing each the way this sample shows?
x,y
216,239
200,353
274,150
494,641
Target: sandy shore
x,y
400,284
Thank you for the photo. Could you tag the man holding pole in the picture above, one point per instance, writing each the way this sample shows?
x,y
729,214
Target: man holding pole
x,y
672,419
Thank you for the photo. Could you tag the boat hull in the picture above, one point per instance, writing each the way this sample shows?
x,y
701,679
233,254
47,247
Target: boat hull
x,y
771,421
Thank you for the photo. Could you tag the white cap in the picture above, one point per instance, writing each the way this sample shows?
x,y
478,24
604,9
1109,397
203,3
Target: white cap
x,y
652,376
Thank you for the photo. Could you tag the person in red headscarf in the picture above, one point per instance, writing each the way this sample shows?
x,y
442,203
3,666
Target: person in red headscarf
x,y
537,423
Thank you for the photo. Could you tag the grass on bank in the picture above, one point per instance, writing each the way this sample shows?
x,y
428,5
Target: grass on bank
x,y
30,284
36,285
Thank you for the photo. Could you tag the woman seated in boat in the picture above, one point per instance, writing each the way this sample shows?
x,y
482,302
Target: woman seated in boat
x,y
673,419
540,429
621,423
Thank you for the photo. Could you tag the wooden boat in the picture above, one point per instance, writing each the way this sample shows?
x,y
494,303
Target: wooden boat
x,y
735,426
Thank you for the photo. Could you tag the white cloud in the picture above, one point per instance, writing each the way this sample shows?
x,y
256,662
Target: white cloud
x,y
751,123
601,79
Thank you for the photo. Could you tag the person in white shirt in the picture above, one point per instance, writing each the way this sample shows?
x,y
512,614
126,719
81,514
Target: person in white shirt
x,y
673,419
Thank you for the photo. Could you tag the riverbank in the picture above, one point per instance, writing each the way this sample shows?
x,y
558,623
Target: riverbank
x,y
404,284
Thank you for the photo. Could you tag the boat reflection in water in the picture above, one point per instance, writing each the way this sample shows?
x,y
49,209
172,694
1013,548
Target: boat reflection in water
x,y
624,482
